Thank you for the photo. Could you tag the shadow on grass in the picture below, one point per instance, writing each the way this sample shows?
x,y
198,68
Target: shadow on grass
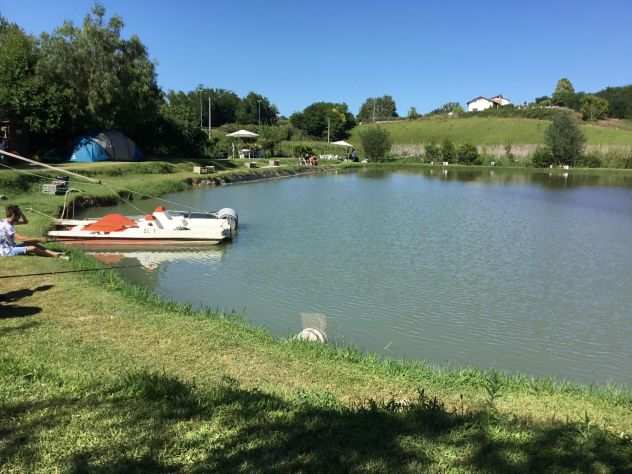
x,y
149,422
14,311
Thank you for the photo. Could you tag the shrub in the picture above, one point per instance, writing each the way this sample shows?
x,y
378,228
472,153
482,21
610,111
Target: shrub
x,y
590,160
302,150
542,158
376,142
564,140
448,151
468,155
433,152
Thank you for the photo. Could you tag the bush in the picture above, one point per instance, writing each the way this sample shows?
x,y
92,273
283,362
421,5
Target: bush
x,y
590,160
564,140
542,158
376,142
468,155
432,151
448,151
302,150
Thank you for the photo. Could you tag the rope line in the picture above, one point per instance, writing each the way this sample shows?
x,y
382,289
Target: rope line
x,y
24,275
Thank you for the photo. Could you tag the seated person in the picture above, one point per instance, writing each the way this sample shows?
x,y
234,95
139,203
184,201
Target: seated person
x,y
8,246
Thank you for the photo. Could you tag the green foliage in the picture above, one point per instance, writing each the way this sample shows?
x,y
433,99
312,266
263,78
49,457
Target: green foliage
x,y
619,101
378,108
449,107
432,151
565,140
564,94
467,154
542,158
317,117
590,160
448,151
376,142
257,109
104,80
412,114
272,136
593,107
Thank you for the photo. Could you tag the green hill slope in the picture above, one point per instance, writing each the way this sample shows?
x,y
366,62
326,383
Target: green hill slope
x,y
490,131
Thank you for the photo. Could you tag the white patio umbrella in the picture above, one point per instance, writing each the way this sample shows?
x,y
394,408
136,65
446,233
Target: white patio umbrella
x,y
343,143
241,134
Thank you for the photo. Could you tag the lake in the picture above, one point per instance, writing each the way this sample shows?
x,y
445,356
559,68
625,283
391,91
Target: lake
x,y
520,271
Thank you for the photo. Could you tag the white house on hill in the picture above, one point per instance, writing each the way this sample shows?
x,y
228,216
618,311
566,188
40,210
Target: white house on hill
x,y
481,103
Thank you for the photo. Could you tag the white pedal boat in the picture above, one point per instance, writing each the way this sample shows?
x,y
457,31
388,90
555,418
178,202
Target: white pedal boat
x,y
167,229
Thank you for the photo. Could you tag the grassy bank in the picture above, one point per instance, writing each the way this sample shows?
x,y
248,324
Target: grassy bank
x,y
100,376
490,131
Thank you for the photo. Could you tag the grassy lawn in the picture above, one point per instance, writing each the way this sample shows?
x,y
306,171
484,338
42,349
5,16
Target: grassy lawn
x,y
100,376
490,131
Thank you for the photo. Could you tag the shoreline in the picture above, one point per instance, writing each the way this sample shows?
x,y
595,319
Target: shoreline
x,y
246,176
122,340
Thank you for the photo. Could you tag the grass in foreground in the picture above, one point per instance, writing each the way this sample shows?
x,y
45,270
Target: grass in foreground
x,y
99,376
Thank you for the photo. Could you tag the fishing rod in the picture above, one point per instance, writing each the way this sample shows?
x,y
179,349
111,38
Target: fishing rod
x,y
24,275
54,168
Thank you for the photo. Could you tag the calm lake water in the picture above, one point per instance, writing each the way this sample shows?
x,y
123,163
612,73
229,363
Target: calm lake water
x,y
528,272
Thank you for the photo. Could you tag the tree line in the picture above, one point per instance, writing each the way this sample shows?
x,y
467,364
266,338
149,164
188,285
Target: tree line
x,y
85,78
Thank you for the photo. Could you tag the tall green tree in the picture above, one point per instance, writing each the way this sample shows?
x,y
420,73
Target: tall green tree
x,y
564,94
25,98
564,139
378,108
104,80
593,107
320,117
255,109
412,113
376,142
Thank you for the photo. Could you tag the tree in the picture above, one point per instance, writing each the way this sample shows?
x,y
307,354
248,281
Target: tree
x,y
376,142
378,108
564,93
448,151
412,113
448,107
619,101
564,140
593,107
320,117
257,109
25,98
104,81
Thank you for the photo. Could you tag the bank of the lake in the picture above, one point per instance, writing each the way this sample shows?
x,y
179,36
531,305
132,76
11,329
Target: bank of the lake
x,y
99,375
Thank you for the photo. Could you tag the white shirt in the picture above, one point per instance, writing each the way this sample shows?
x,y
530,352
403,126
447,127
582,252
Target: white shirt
x,y
7,238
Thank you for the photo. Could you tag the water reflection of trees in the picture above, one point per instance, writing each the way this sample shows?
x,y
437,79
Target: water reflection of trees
x,y
547,178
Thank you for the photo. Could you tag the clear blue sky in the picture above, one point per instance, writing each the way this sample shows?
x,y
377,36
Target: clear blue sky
x,y
423,53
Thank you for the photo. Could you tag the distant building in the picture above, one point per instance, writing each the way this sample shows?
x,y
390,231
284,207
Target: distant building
x,y
481,103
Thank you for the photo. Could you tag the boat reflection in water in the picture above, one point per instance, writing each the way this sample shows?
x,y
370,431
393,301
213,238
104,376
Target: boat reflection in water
x,y
152,259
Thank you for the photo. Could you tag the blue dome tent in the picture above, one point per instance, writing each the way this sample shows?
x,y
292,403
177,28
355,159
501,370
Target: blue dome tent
x,y
106,146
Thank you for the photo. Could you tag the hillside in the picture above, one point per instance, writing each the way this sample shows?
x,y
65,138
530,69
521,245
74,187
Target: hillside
x,y
490,131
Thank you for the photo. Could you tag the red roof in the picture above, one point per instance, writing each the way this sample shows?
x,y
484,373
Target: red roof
x,y
111,223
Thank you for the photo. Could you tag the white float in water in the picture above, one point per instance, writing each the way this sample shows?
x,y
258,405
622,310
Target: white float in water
x,y
312,335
